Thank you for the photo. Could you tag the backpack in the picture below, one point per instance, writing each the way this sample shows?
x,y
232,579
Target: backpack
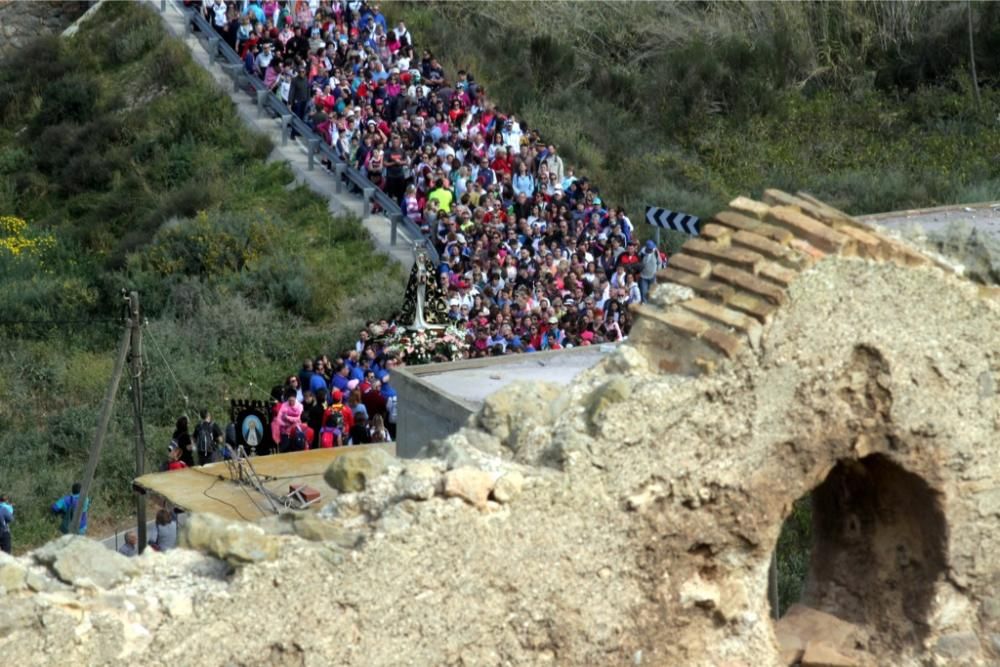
x,y
335,418
328,437
206,443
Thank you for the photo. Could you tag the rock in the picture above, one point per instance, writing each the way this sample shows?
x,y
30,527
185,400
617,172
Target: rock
x,y
352,471
235,542
13,575
516,409
615,390
278,524
311,527
801,625
823,654
469,484
80,561
178,605
419,481
40,583
957,645
698,592
508,487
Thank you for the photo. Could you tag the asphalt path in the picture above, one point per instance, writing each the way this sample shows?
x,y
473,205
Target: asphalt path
x,y
116,539
985,217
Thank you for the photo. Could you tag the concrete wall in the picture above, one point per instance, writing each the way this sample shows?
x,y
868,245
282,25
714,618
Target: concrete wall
x,y
435,400
425,413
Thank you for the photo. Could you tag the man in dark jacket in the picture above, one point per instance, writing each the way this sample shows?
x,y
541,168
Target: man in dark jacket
x,y
298,93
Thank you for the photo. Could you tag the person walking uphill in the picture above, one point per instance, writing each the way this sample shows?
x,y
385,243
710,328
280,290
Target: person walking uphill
x,y
65,507
650,264
6,518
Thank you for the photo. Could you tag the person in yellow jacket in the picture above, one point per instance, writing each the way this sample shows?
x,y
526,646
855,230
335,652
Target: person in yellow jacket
x,y
442,196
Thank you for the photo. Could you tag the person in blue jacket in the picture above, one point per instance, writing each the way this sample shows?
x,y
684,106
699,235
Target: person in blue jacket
x,y
65,507
6,518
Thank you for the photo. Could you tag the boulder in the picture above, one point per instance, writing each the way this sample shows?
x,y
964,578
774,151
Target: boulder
x,y
824,654
469,484
419,481
80,561
508,487
235,542
13,575
352,471
313,528
801,625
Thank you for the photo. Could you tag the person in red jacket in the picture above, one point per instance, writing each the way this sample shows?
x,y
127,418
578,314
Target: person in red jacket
x,y
630,258
337,405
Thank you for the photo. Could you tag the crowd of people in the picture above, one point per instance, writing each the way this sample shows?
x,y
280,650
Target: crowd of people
x,y
326,403
529,250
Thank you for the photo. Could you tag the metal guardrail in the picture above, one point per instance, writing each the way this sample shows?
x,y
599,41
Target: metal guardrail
x,y
268,102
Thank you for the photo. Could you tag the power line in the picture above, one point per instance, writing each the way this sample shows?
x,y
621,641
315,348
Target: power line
x,y
170,370
45,323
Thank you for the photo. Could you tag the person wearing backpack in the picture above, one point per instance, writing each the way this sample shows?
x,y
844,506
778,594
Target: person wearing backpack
x,y
65,507
331,433
207,438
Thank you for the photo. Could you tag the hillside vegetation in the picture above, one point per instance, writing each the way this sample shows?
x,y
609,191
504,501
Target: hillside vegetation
x,y
123,167
869,105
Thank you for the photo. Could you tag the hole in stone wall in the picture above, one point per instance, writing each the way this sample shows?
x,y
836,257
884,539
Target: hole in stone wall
x,y
878,545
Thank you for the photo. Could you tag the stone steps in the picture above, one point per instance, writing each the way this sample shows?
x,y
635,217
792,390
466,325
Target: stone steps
x,y
740,269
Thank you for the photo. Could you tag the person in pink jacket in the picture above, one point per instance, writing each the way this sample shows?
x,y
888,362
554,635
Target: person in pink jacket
x,y
286,428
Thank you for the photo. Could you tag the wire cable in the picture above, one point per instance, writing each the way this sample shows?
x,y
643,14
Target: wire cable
x,y
159,350
58,322
205,493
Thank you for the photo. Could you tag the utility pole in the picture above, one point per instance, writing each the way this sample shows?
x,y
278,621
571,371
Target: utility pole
x,y
135,325
102,425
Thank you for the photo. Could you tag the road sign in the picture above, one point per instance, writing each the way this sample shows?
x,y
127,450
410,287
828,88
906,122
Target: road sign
x,y
675,220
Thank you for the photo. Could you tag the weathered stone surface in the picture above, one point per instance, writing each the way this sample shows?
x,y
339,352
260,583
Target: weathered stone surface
x,y
13,574
80,561
352,471
508,487
824,654
235,542
313,528
471,485
957,645
419,481
801,625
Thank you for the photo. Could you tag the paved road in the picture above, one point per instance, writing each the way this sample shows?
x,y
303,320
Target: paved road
x,y
115,540
985,217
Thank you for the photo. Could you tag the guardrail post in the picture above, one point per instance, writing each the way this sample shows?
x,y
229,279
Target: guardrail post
x,y
190,23
396,221
366,205
239,78
339,168
313,145
163,6
261,102
286,128
213,46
